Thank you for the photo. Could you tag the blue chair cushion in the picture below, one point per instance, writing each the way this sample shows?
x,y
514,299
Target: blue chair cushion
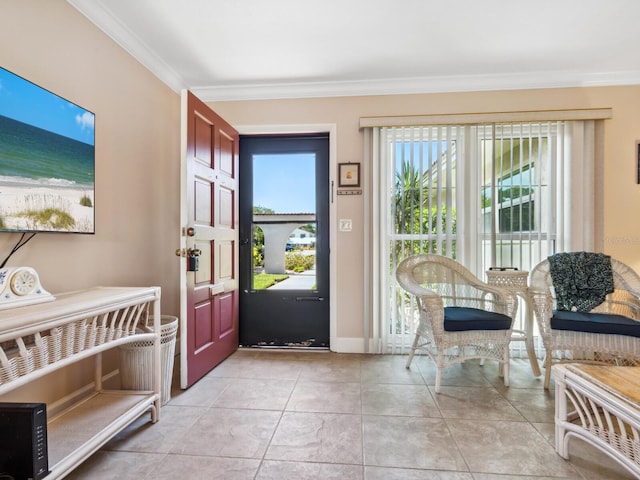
x,y
595,323
460,319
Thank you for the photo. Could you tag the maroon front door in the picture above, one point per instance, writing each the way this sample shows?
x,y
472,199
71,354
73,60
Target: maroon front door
x,y
211,238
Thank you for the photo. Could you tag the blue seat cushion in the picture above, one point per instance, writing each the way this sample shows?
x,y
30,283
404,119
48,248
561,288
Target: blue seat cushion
x,y
595,323
460,319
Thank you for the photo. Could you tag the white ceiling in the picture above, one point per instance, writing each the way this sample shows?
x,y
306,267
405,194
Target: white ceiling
x,y
250,49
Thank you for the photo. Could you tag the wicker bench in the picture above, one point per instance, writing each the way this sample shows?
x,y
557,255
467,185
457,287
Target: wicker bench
x,y
601,405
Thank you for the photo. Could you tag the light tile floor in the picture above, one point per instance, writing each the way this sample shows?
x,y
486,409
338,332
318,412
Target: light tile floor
x,y
318,415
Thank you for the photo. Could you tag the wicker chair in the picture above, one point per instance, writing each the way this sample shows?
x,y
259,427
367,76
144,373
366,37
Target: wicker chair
x,y
607,334
460,316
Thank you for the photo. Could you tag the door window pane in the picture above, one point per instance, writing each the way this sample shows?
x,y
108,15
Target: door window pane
x,y
284,222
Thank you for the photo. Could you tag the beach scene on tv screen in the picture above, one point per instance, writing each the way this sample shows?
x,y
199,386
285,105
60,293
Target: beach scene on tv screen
x,y
47,160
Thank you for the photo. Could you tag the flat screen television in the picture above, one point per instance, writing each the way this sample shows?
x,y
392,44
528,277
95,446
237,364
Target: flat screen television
x,y
47,160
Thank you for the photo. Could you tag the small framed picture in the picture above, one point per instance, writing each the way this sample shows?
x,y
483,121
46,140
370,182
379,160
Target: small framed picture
x,y
348,175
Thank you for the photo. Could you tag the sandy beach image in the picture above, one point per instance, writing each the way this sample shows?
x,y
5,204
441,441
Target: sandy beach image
x,y
47,160
32,207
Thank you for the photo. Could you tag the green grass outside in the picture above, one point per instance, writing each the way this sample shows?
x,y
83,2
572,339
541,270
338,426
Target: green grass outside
x,y
263,281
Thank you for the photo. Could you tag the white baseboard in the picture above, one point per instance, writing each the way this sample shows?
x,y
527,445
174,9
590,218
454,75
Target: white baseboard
x,y
347,344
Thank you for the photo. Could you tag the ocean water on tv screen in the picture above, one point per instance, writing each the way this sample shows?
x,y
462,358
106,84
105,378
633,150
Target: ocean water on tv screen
x,y
32,156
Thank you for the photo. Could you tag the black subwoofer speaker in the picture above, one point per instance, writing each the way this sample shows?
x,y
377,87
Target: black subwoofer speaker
x,y
23,441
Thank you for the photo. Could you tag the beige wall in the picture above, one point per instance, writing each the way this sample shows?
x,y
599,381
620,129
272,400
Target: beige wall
x,y
621,193
137,153
137,165
138,141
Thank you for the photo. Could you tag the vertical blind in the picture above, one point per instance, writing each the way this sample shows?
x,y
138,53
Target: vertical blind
x,y
487,195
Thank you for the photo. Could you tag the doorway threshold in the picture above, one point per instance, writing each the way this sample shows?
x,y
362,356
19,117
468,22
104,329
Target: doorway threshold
x,y
285,348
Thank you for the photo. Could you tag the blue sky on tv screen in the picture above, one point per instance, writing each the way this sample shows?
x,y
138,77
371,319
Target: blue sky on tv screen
x,y
28,103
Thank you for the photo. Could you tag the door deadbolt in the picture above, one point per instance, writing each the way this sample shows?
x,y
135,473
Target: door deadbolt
x,y
190,231
193,259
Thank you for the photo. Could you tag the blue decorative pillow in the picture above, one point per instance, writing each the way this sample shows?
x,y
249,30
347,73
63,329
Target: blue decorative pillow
x,y
595,323
460,319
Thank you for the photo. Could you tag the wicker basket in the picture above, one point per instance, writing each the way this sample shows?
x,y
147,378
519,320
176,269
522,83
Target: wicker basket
x,y
136,360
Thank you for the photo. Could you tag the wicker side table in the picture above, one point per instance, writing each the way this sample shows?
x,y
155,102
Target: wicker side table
x,y
516,282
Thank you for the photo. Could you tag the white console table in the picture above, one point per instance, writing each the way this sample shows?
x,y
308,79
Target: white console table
x,y
599,404
38,339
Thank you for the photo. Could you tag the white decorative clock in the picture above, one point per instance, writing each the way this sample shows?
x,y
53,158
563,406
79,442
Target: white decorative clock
x,y
20,286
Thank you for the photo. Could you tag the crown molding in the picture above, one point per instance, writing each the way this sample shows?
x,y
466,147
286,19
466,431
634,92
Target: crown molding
x,y
96,13
400,86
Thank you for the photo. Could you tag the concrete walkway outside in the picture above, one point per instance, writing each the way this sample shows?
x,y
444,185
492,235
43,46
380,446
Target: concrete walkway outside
x,y
297,281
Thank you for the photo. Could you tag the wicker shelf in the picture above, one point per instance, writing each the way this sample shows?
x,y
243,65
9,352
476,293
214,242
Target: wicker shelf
x,y
39,339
